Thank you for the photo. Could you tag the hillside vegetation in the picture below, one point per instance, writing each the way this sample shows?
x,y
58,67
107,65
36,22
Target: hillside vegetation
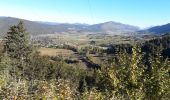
x,y
125,72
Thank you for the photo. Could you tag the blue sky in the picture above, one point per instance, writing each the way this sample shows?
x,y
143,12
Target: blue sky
x,y
142,13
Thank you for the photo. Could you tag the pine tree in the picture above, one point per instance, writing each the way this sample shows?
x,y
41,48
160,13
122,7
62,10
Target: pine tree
x,y
17,47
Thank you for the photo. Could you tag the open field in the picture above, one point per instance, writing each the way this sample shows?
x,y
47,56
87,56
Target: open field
x,y
55,52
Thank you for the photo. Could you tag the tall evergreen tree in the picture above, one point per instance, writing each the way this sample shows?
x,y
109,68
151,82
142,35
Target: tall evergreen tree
x,y
17,47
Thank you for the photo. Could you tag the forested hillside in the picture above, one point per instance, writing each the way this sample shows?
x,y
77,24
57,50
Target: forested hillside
x,y
136,72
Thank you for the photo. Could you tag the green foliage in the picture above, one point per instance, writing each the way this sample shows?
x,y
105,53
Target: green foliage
x,y
131,79
126,77
17,42
15,91
18,49
93,94
157,80
26,75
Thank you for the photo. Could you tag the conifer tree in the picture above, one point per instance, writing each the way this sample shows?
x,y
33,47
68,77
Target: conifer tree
x,y
17,47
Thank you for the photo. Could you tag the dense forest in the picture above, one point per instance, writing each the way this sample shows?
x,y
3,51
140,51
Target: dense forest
x,y
136,72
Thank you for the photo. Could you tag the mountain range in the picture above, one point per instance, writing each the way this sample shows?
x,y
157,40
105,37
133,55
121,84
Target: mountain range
x,y
111,27
159,29
36,28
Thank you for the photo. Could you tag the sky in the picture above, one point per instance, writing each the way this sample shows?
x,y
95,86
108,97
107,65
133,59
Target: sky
x,y
142,13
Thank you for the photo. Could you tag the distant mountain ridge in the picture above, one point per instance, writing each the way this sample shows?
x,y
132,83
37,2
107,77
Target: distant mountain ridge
x,y
36,27
113,27
159,29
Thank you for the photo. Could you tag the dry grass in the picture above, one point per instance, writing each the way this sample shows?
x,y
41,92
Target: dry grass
x,y
55,52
